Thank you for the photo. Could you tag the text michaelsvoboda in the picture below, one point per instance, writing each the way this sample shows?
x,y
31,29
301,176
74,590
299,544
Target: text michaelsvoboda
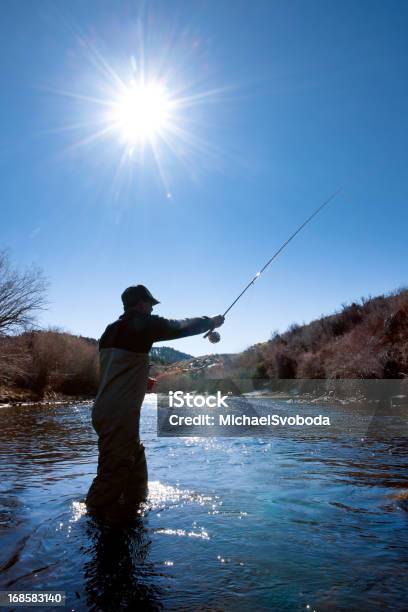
x,y
272,419
243,420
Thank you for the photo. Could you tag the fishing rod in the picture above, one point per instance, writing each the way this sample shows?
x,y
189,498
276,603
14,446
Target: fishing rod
x,y
214,336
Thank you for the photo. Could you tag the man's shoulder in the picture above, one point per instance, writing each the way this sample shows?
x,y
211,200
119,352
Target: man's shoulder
x,y
134,325
155,321
152,317
124,322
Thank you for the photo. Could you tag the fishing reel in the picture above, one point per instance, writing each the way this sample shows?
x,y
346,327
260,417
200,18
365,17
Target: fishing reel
x,y
213,336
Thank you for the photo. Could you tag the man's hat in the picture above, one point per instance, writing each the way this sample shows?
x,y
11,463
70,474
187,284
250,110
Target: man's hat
x,y
132,295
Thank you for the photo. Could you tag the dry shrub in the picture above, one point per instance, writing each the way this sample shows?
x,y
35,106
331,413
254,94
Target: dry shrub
x,y
14,360
61,363
354,355
48,362
365,340
311,365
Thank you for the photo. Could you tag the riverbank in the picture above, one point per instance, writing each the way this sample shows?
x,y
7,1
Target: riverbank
x,y
323,399
19,397
330,398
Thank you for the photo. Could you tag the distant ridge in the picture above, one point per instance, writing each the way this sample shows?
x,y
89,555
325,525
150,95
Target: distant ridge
x,y
166,355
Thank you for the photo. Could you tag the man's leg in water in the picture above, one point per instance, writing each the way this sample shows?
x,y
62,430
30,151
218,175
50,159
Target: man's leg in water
x,y
136,486
116,443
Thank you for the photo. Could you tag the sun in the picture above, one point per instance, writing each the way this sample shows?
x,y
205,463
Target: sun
x,y
140,117
142,112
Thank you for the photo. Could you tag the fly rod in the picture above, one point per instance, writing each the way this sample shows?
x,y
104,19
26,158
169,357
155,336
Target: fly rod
x,y
214,336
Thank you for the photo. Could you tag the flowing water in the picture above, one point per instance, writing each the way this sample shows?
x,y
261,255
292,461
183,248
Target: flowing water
x,y
287,522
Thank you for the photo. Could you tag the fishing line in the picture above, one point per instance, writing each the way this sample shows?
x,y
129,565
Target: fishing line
x,y
214,336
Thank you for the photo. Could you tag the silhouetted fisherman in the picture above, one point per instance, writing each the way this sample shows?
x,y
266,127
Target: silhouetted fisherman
x,y
124,368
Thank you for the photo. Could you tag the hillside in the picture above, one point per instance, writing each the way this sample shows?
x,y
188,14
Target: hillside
x,y
365,340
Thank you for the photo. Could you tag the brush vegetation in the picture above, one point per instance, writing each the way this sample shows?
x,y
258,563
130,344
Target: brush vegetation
x,y
54,364
367,340
38,365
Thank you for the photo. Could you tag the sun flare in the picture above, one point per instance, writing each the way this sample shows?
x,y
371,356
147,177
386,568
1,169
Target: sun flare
x,y
146,113
142,112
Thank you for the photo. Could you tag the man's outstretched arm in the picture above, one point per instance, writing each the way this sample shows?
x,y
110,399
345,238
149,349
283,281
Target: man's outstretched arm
x,y
172,329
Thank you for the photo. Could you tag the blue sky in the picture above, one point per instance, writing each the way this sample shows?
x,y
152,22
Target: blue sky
x,y
301,97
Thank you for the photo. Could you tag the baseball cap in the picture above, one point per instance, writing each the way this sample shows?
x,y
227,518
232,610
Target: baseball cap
x,y
133,294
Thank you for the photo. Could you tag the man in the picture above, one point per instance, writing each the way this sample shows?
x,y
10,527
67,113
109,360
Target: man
x,y
124,368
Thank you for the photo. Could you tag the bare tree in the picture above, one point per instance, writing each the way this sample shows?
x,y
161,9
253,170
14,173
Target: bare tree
x,y
22,295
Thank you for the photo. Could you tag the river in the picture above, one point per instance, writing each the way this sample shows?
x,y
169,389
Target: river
x,y
285,522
